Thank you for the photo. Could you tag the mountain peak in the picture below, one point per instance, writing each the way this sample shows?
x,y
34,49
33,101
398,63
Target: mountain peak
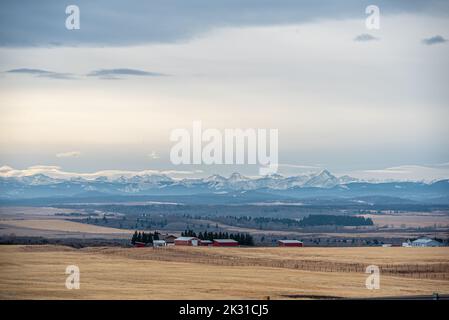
x,y
38,179
275,176
214,178
325,172
324,179
236,176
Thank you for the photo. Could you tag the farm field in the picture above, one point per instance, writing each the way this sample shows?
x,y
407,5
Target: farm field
x,y
38,272
62,226
59,228
409,219
32,212
47,222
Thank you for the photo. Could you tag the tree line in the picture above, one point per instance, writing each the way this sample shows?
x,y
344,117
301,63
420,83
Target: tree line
x,y
324,220
144,237
244,239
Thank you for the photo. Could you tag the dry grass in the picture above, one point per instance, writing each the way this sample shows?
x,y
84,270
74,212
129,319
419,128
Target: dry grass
x,y
33,211
433,263
61,226
37,272
409,220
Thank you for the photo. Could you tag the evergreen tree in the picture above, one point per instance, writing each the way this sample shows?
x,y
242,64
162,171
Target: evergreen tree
x,y
134,238
249,240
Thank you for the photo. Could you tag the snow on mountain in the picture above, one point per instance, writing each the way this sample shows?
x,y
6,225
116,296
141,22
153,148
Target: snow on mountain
x,y
238,182
274,181
215,178
347,179
148,179
322,180
297,181
236,177
101,179
147,182
38,179
216,181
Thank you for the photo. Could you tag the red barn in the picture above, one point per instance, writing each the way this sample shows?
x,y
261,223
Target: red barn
x,y
138,244
225,243
290,243
186,241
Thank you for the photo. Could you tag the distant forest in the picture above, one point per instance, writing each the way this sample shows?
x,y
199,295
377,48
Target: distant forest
x,y
325,220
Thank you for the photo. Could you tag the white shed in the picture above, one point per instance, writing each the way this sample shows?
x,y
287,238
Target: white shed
x,y
159,243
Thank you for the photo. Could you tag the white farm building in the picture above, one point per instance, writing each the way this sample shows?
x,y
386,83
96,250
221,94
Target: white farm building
x,y
425,242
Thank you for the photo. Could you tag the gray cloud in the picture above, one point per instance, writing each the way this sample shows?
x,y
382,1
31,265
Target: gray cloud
x,y
434,40
364,37
42,73
114,22
118,73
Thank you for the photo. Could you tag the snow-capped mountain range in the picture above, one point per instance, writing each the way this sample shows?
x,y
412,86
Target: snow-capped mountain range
x,y
235,181
322,184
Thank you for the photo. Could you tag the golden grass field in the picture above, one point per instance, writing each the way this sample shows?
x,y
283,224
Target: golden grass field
x,y
62,226
38,272
409,220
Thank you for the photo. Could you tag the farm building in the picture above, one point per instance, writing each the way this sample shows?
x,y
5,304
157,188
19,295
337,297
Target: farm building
x,y
225,243
169,238
290,243
138,244
407,244
205,243
186,241
159,243
426,242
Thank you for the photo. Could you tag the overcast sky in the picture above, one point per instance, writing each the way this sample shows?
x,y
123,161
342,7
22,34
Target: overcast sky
x,y
352,100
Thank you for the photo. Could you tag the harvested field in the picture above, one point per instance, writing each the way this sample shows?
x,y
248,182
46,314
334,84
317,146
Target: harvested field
x,y
32,212
402,262
409,220
37,272
61,226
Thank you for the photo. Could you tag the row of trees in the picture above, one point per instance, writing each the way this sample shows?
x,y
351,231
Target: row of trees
x,y
144,237
333,220
243,239
286,221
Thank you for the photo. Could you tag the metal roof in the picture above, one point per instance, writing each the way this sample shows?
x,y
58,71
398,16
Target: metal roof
x,y
290,241
424,240
185,238
225,240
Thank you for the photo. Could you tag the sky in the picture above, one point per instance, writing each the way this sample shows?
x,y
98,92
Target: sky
x,y
369,103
